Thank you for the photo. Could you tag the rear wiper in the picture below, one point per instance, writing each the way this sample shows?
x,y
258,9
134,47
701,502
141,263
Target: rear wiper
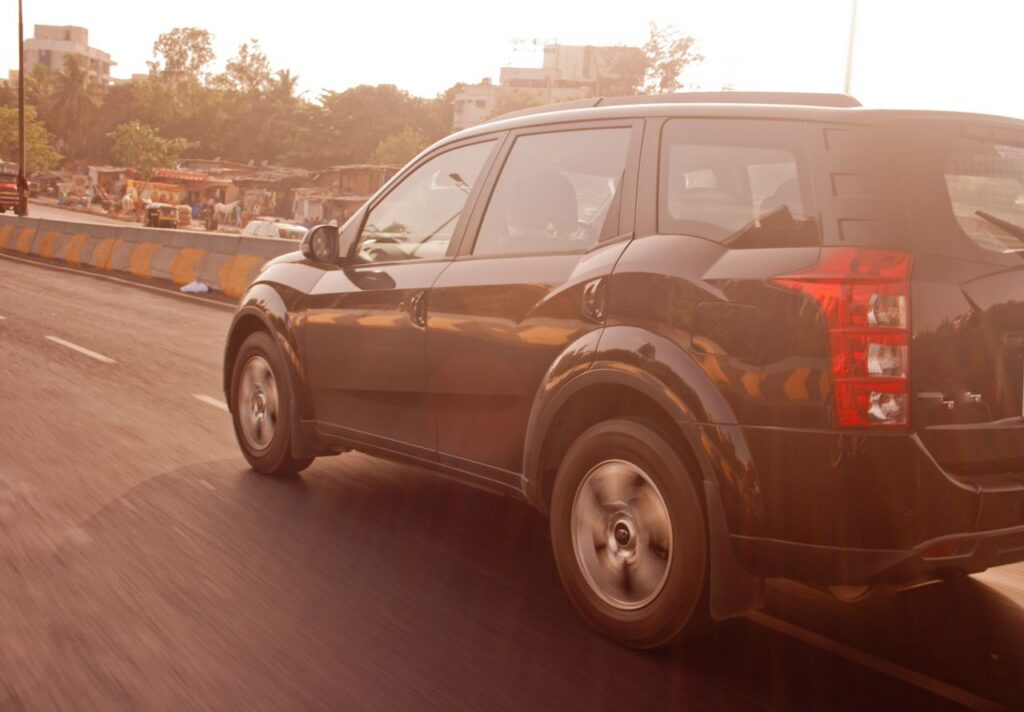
x,y
1015,230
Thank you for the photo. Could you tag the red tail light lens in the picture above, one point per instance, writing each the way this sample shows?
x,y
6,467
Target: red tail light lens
x,y
865,297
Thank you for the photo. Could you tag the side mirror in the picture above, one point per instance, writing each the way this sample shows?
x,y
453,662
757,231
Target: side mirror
x,y
321,244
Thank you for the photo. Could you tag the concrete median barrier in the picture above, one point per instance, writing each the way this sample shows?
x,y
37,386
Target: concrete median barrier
x,y
226,263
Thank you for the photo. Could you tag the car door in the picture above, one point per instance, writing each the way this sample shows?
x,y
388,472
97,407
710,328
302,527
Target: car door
x,y
526,284
365,325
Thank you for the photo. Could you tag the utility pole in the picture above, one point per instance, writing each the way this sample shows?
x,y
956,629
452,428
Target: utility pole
x,y
22,181
849,52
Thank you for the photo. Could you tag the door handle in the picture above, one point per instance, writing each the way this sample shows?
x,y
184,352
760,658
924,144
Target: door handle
x,y
594,306
418,308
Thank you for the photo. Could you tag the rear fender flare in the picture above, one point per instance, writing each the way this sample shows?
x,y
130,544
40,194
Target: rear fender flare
x,y
663,372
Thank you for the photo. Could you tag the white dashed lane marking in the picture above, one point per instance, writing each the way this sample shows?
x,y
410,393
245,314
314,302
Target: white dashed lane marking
x,y
211,401
81,350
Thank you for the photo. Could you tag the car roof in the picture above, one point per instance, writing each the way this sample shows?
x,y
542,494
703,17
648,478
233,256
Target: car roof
x,y
836,108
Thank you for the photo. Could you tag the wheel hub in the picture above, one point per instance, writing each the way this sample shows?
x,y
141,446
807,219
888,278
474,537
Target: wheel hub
x,y
257,403
622,534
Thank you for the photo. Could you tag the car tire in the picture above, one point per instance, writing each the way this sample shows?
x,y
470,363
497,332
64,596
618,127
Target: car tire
x,y
629,535
261,399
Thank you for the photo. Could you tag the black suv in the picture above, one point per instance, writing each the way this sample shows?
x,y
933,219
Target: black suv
x,y
717,338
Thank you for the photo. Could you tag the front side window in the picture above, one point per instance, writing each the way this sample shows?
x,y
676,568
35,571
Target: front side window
x,y
557,193
739,183
417,219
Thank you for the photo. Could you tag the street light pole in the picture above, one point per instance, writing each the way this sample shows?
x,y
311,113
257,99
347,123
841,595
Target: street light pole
x,y
22,181
849,51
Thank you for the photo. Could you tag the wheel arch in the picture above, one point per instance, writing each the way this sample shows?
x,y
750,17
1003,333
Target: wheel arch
x,y
264,309
637,373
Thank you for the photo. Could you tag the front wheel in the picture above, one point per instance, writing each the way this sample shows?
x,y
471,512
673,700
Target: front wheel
x,y
629,536
261,401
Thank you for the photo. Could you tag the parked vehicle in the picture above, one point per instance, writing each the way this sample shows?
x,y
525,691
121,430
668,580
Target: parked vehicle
x,y
160,215
268,228
717,338
8,187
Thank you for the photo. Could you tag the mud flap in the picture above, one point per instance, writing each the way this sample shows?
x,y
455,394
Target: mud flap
x,y
732,591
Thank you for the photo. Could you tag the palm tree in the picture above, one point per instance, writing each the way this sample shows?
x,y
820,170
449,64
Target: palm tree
x,y
285,86
279,108
73,101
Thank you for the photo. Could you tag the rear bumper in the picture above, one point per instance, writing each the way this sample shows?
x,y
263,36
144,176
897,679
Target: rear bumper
x,y
967,553
836,507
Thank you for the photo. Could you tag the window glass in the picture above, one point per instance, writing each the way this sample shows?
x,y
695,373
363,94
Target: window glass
x,y
985,181
417,219
733,185
557,193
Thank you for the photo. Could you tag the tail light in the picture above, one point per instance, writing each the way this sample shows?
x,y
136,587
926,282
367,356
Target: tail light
x,y
865,297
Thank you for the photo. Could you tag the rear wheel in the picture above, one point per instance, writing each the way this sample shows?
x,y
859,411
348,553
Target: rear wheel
x,y
261,401
629,537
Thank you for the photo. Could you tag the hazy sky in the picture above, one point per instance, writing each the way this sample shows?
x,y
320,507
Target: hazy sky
x,y
940,54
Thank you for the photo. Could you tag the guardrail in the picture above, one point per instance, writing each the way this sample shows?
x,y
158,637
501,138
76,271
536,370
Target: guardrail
x,y
227,263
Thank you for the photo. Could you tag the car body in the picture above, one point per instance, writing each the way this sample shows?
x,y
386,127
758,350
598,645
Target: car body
x,y
274,229
160,215
799,321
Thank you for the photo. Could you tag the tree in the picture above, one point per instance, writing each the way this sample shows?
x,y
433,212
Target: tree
x,y
140,146
39,151
71,106
668,53
248,71
355,121
398,148
182,54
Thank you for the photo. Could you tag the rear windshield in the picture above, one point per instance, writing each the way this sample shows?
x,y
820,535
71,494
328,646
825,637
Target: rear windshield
x,y
985,180
965,185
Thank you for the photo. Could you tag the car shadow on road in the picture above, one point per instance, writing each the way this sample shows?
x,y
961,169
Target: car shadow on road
x,y
364,584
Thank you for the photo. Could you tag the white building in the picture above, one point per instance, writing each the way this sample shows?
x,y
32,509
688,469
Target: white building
x,y
474,104
52,43
568,72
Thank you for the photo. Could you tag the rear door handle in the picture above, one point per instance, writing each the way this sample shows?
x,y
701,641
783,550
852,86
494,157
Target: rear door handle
x,y
418,308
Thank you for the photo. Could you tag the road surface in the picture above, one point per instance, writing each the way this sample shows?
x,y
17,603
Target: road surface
x,y
145,567
50,212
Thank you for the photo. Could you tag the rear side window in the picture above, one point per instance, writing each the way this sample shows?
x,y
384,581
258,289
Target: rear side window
x,y
985,180
741,183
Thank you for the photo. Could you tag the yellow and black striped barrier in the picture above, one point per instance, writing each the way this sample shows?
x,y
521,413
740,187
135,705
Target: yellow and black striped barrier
x,y
227,263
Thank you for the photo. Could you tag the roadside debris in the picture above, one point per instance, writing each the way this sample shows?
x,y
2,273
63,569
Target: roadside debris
x,y
195,288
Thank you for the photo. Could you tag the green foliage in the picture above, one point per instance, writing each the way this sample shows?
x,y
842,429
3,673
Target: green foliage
x,y
71,105
248,71
509,101
355,121
397,149
39,151
251,112
668,54
140,146
182,54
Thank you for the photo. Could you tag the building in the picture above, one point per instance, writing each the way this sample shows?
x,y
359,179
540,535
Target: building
x,y
474,104
52,43
568,72
338,192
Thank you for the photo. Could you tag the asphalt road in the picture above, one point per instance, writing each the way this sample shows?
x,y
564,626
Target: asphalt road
x,y
143,566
